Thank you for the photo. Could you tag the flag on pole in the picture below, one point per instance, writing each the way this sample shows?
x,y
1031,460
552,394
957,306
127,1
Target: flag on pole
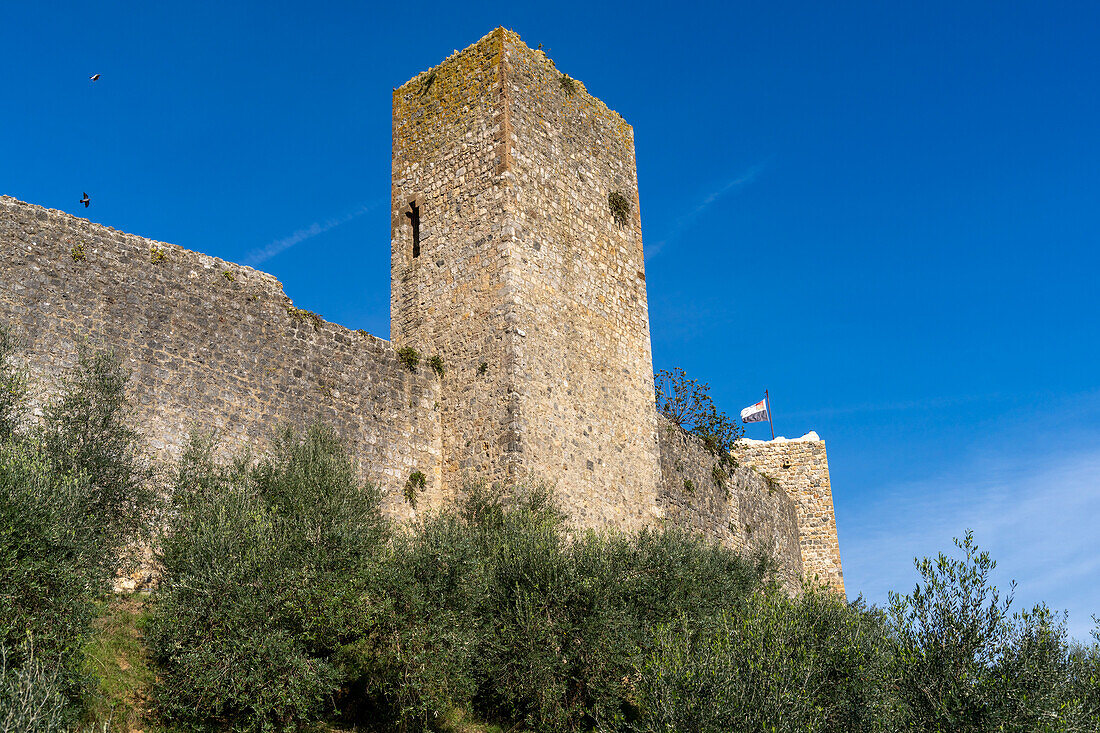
x,y
756,413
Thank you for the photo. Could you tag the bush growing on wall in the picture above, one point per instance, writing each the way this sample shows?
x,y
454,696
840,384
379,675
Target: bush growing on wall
x,y
687,403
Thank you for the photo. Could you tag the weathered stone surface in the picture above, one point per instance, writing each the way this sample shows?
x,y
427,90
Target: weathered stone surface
x,y
735,506
801,468
211,346
523,268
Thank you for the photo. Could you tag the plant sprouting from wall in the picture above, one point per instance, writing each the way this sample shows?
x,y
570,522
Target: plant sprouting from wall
x,y
720,476
771,483
428,82
568,85
77,252
156,254
687,403
409,356
303,316
620,207
415,484
436,365
482,368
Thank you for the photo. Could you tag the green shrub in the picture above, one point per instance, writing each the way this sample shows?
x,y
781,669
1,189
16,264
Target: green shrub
x,y
87,432
436,365
69,503
962,662
620,207
413,486
268,585
1084,680
687,403
31,698
774,663
409,356
52,566
501,608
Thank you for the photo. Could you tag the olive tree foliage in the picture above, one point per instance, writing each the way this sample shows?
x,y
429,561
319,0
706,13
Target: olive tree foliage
x,y
809,664
87,431
687,403
962,661
1086,675
502,608
73,494
269,585
13,385
951,656
31,700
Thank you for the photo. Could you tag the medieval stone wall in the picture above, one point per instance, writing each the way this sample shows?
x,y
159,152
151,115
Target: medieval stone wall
x,y
801,468
211,346
734,506
520,278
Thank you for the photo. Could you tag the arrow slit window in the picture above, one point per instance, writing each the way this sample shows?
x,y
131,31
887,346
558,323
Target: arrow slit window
x,y
414,220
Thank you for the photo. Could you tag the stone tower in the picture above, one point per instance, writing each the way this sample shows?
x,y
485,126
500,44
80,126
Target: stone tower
x,y
508,262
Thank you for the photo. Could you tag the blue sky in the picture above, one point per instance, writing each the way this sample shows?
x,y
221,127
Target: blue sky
x,y
885,213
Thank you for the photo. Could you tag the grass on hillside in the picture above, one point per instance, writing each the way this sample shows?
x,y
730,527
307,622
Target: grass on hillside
x,y
116,658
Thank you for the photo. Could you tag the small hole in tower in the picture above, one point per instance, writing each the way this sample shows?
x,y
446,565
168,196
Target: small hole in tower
x,y
414,219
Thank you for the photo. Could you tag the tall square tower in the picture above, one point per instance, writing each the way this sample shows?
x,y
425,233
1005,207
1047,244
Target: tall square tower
x,y
517,257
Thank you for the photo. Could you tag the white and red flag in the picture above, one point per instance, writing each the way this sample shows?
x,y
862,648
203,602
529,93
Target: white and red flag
x,y
756,413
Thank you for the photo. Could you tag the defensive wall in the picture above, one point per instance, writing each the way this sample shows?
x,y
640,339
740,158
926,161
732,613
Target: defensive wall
x,y
211,346
732,504
508,261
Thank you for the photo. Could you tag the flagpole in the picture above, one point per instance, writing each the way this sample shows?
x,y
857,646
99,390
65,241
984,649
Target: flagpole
x,y
768,402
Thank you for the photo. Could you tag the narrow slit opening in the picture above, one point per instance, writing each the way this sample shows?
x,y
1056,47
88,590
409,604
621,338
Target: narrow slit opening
x,y
414,219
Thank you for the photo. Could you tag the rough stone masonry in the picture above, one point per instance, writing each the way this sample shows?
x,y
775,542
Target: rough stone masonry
x,y
516,256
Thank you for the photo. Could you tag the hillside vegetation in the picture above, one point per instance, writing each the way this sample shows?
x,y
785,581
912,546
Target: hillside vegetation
x,y
287,601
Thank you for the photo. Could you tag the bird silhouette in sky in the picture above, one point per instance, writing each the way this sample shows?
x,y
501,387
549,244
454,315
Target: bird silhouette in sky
x,y
94,77
86,200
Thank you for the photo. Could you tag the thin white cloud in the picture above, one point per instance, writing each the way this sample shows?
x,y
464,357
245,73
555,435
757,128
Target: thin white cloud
x,y
923,404
1034,511
279,246
684,221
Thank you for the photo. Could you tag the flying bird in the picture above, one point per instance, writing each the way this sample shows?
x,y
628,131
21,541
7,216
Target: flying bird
x,y
86,201
94,77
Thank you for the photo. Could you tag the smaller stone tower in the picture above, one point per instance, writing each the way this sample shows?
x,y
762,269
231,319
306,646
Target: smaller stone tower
x,y
509,262
801,468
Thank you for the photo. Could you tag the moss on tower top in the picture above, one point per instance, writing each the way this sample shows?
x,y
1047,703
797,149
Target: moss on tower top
x,y
473,77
